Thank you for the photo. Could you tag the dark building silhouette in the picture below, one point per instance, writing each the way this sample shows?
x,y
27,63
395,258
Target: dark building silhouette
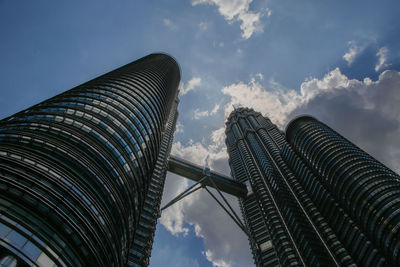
x,y
139,254
315,199
81,174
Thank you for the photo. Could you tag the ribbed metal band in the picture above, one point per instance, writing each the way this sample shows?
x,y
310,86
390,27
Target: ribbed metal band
x,y
368,191
75,169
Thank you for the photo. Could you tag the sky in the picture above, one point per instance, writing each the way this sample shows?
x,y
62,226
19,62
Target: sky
x,y
338,61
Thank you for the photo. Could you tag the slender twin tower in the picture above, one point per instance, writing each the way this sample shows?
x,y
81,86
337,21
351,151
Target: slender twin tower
x,y
316,199
82,175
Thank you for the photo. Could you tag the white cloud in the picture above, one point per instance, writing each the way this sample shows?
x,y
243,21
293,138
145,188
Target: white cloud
x,y
366,112
355,108
218,138
197,231
222,238
197,152
269,12
172,217
352,53
250,23
382,58
238,10
260,76
227,8
361,110
179,127
205,113
199,114
278,103
191,85
203,25
215,109
215,262
170,24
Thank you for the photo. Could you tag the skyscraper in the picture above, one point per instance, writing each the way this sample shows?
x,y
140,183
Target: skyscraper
x,y
316,198
81,173
139,254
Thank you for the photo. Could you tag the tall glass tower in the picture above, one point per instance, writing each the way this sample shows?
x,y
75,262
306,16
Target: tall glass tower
x,y
81,174
316,199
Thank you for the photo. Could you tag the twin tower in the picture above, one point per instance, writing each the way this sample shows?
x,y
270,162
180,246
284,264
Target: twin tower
x,y
82,175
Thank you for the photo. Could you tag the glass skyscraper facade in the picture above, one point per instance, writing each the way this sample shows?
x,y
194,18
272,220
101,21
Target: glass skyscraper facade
x,y
139,254
81,174
315,198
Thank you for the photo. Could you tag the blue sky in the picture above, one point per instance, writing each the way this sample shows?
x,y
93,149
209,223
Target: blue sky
x,y
336,60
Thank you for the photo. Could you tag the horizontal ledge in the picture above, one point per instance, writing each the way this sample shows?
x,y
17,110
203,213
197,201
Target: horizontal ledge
x,y
195,172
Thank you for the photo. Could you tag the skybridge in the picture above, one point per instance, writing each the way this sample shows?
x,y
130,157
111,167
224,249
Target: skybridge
x,y
216,180
204,178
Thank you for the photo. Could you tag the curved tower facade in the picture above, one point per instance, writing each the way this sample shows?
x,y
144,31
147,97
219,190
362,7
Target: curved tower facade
x,y
367,192
282,234
77,170
316,199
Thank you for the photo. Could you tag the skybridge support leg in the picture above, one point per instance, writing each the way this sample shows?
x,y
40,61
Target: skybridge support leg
x,y
232,214
226,202
238,223
185,193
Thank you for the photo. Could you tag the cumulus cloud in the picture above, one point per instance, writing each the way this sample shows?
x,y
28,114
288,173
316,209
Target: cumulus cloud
x,y
364,111
238,10
275,104
170,24
179,127
172,217
260,76
222,237
197,152
382,58
250,24
352,53
203,25
367,112
223,240
191,85
198,114
279,102
216,262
